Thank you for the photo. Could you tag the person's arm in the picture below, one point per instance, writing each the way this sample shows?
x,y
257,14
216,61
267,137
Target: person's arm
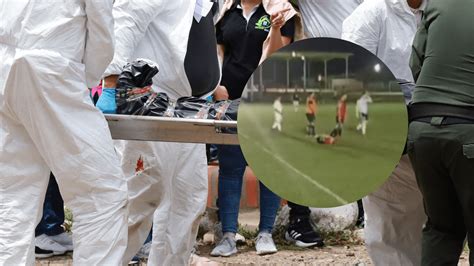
x,y
339,112
276,40
419,47
221,92
99,49
132,18
220,53
363,26
281,34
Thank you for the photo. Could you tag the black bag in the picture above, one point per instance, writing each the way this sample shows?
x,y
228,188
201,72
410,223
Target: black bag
x,y
134,88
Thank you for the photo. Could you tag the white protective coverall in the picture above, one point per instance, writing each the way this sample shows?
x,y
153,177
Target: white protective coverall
x,y
395,215
51,51
323,18
167,181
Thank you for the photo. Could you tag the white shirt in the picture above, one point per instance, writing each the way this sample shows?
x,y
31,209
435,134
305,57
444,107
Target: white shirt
x,y
277,106
249,15
363,104
323,18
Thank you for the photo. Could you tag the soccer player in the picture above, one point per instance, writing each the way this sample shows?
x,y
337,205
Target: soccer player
x,y
340,116
296,101
325,139
278,111
311,110
362,111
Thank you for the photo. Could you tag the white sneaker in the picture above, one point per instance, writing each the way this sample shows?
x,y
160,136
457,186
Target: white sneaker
x,y
226,247
265,244
64,239
46,243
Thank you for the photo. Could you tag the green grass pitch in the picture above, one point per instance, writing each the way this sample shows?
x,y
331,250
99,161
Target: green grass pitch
x,y
299,169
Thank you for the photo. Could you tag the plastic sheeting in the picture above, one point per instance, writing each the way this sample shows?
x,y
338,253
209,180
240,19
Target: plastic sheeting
x,y
136,97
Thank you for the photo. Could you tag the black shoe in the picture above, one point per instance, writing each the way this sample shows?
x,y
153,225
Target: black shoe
x,y
42,253
301,233
360,223
134,262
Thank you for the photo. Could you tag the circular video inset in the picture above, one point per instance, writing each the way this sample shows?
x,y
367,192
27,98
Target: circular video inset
x,y
323,122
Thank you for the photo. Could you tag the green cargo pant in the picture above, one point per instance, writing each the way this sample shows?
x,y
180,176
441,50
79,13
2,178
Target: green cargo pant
x,y
443,161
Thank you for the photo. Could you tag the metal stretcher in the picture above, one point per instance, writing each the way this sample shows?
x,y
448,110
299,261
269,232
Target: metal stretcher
x,y
170,129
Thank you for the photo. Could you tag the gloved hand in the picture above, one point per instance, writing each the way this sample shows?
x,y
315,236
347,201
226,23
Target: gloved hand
x,y
106,102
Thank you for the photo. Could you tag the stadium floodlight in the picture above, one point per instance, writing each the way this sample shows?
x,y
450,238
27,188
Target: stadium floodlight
x,y
377,68
320,77
293,54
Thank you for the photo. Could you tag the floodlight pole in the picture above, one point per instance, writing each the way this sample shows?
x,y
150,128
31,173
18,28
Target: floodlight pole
x,y
325,73
304,74
347,67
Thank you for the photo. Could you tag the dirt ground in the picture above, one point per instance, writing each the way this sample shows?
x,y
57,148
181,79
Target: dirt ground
x,y
247,256
355,255
351,255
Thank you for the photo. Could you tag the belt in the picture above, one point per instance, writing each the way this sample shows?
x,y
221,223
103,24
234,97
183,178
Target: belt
x,y
446,120
423,112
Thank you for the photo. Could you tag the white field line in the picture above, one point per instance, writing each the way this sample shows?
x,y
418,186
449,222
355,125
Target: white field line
x,y
306,177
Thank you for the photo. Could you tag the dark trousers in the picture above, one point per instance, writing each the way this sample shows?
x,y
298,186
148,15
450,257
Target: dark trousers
x,y
53,211
443,159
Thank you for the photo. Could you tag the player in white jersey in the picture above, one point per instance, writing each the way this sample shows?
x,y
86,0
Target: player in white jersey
x,y
278,114
362,111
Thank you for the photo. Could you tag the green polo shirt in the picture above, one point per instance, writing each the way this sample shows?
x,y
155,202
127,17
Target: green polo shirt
x,y
442,60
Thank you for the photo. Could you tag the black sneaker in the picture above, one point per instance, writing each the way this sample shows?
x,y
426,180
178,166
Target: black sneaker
x,y
301,233
42,253
135,261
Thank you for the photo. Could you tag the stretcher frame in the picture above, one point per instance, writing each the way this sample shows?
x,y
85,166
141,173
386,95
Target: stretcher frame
x,y
171,129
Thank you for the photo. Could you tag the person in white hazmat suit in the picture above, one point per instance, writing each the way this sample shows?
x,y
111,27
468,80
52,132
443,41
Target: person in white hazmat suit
x,y
323,18
362,111
167,181
51,52
278,114
394,211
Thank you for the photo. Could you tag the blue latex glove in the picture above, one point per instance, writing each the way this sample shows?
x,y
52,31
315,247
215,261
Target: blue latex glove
x,y
106,102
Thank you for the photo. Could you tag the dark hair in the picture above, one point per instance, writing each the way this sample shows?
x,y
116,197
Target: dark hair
x,y
235,4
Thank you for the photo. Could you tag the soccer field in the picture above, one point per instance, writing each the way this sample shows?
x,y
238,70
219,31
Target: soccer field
x,y
299,169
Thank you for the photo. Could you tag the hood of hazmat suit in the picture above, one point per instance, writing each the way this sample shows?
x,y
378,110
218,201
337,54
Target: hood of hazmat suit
x,y
167,181
387,29
51,52
394,211
322,18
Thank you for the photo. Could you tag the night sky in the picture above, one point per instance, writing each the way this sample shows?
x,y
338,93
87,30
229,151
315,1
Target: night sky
x,y
361,64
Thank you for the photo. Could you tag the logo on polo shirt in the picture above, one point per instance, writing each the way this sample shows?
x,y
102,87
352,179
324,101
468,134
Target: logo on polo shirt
x,y
263,23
